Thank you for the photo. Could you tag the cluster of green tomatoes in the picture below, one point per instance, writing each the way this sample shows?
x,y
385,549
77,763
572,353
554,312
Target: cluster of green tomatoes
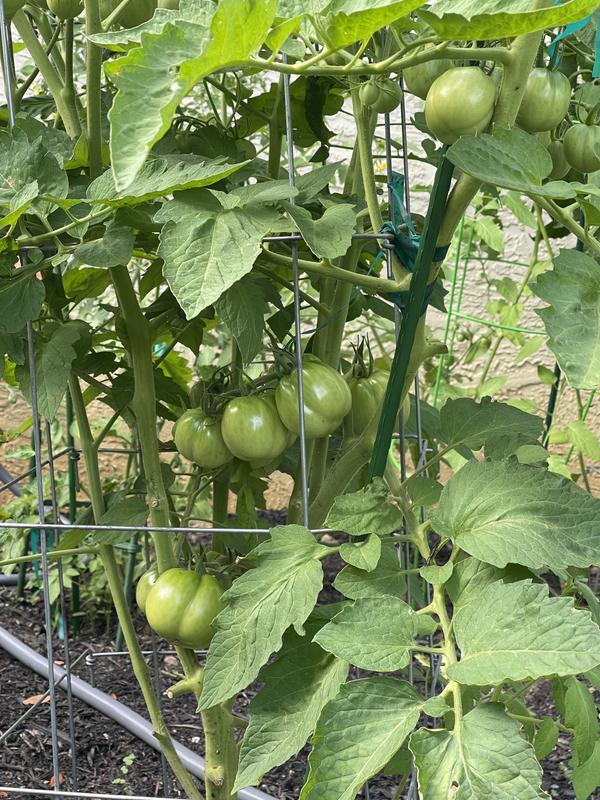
x,y
259,426
460,101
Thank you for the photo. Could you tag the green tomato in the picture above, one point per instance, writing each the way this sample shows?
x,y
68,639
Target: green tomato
x,y
182,605
327,399
390,94
199,438
419,79
145,583
367,398
11,7
369,92
336,59
252,429
172,5
560,165
135,13
65,9
582,147
460,103
545,100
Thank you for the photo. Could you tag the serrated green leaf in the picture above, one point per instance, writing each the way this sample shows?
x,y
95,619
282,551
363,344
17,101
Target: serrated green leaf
x,y
487,757
112,250
366,511
362,555
572,319
347,21
375,633
436,575
471,576
85,282
467,422
161,176
242,308
21,297
129,511
260,606
492,19
285,711
515,631
205,254
546,737
357,734
581,715
330,236
152,79
584,439
586,776
503,512
53,360
386,579
511,159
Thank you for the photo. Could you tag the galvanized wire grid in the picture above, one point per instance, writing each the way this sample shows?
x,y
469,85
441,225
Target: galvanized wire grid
x,y
61,523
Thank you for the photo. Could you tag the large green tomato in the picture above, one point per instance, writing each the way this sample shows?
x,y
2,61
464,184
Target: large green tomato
x,y
582,147
560,165
135,13
460,103
419,79
367,398
252,429
545,100
199,438
66,9
327,399
11,7
145,583
182,605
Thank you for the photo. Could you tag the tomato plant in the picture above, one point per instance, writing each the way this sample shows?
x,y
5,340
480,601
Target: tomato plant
x,y
194,197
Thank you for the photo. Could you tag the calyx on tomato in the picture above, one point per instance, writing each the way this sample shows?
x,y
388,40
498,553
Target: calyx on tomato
x,y
66,9
545,100
182,605
582,147
327,398
199,438
460,103
252,428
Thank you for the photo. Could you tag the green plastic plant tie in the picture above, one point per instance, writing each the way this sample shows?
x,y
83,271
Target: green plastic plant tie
x,y
410,318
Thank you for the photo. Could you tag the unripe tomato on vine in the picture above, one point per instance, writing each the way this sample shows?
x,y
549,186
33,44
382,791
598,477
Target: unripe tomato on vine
x,y
199,438
545,101
252,428
582,147
181,607
383,95
327,398
460,103
420,78
65,9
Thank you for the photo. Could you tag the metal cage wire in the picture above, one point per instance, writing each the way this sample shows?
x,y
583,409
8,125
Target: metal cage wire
x,y
60,523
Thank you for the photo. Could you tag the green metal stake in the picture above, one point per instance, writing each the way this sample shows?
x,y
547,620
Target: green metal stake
x,y
72,480
410,318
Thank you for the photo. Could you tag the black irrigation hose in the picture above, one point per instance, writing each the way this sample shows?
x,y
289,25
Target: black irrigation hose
x,y
113,709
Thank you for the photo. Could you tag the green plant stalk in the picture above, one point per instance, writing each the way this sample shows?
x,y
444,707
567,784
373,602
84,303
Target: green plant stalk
x,y
43,25
48,72
449,648
23,88
138,662
143,405
275,135
52,554
327,270
93,25
68,91
364,139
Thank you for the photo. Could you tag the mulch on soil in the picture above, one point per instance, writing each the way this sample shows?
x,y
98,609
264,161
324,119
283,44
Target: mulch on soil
x,y
103,748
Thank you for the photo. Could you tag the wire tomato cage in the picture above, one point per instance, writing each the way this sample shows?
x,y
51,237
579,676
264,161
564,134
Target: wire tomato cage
x,y
45,459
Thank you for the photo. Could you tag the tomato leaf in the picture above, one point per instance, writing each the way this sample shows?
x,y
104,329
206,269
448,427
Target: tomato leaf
x,y
285,711
492,19
242,308
375,633
347,21
516,632
488,756
21,298
358,733
572,319
113,249
385,580
362,555
586,776
330,236
581,715
152,79
261,605
504,512
366,511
